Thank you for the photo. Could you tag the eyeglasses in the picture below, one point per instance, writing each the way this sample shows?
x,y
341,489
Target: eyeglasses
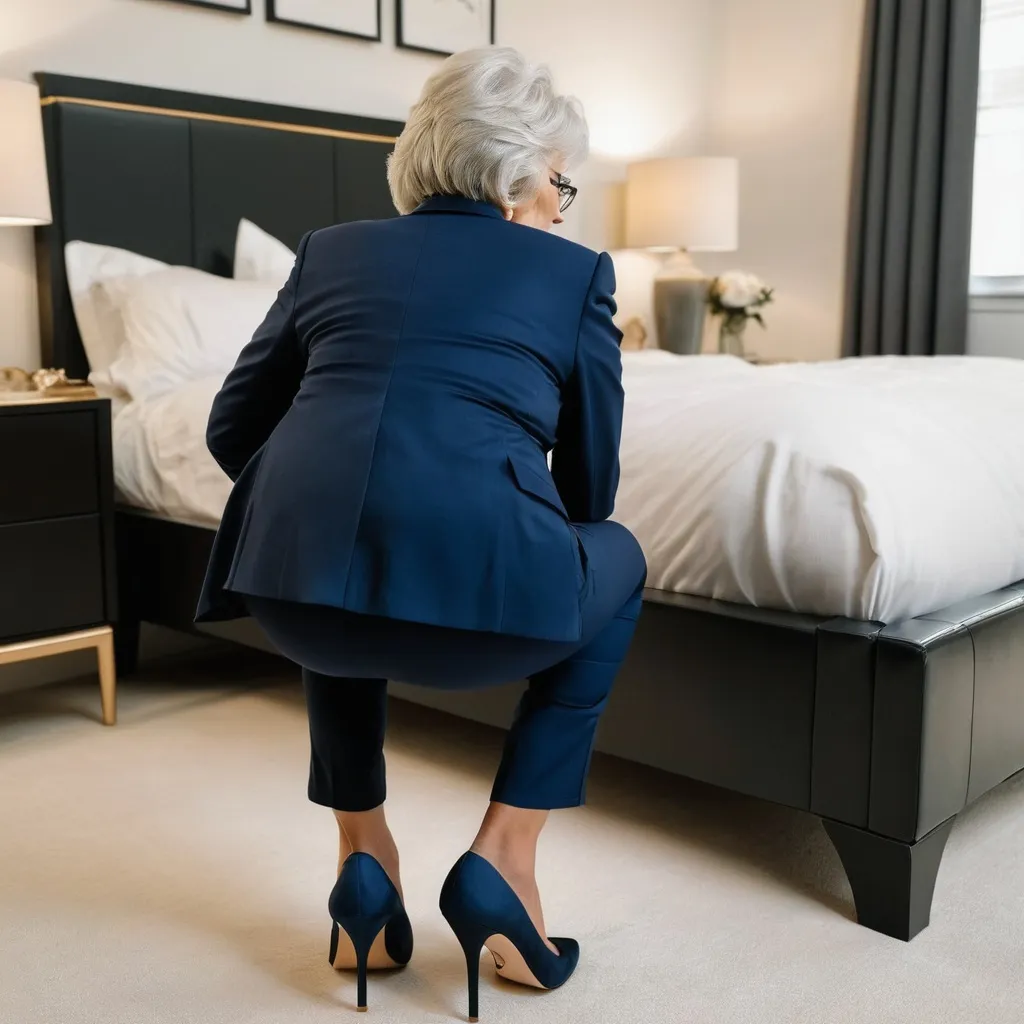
x,y
566,190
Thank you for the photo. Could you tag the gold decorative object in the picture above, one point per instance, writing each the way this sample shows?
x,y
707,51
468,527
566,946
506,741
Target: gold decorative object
x,y
47,380
634,334
13,379
17,385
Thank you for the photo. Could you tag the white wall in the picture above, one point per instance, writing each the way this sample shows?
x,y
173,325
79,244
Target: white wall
x,y
642,70
784,102
996,326
773,84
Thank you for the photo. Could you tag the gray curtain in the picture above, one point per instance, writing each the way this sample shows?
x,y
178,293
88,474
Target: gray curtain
x,y
910,228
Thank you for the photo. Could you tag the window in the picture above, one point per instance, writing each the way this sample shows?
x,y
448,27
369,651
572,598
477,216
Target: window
x,y
998,242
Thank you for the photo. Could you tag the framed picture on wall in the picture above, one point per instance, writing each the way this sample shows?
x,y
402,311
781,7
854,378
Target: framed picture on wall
x,y
359,19
445,26
231,6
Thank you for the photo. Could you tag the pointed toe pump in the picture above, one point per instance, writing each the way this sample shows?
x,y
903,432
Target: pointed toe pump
x,y
371,930
483,910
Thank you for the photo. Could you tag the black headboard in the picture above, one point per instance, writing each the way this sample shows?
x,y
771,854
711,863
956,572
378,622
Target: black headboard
x,y
169,175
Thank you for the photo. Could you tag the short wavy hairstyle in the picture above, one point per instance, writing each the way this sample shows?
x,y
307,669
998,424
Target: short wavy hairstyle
x,y
488,127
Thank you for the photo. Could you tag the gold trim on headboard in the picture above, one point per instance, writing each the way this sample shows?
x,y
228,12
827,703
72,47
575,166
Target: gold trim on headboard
x,y
248,122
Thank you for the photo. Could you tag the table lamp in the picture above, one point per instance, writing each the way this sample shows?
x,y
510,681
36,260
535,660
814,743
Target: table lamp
x,y
681,206
24,192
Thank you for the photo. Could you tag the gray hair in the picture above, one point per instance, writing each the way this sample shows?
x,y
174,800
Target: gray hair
x,y
488,127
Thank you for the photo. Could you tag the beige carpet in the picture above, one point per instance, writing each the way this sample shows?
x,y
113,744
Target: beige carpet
x,y
171,870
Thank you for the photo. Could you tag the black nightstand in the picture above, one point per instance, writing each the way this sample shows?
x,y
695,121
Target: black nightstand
x,y
57,565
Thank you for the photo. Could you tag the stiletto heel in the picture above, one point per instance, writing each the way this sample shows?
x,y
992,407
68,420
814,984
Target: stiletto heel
x,y
362,931
483,910
367,911
473,984
472,942
361,986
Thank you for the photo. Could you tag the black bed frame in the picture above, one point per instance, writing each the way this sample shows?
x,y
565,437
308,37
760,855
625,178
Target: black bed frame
x,y
885,732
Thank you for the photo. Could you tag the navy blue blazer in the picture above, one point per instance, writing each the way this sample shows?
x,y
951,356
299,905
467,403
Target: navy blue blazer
x,y
388,426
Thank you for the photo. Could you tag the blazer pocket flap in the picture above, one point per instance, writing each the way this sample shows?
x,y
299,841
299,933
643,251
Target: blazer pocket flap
x,y
536,482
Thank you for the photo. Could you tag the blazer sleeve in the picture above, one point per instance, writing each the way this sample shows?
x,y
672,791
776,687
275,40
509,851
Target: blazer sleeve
x,y
259,390
585,460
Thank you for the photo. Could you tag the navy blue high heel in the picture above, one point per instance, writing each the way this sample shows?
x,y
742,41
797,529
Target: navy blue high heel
x,y
483,910
370,930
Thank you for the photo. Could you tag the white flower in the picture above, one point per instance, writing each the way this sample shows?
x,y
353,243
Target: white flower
x,y
738,290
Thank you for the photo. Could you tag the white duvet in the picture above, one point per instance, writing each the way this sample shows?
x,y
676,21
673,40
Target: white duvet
x,y
872,488
161,462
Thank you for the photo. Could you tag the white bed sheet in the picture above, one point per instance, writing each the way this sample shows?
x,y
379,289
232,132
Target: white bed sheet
x,y
873,488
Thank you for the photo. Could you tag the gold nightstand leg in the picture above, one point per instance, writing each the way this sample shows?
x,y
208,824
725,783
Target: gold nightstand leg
x,y
108,677
101,638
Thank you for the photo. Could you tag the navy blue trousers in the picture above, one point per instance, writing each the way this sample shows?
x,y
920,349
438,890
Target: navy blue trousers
x,y
347,659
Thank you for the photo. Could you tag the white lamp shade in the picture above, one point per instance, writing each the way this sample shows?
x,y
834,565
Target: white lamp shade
x,y
684,203
24,192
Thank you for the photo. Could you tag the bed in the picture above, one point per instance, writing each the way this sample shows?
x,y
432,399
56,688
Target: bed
x,y
880,716
803,488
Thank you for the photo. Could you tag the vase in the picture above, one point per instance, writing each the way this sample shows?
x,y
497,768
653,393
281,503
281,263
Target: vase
x,y
730,336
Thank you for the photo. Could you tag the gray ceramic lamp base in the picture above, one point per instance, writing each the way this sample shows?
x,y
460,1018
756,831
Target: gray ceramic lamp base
x,y
680,309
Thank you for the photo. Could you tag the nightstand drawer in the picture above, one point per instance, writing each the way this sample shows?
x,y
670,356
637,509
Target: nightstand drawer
x,y
51,576
48,464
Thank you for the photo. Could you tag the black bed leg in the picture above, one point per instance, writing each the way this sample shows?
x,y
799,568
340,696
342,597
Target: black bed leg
x,y
126,646
892,882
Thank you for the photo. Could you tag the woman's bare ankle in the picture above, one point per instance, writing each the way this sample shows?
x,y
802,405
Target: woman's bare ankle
x,y
508,841
510,833
515,863
368,832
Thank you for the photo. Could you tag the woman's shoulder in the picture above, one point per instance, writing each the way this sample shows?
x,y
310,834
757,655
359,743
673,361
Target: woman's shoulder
x,y
507,245
357,238
557,249
344,232
566,246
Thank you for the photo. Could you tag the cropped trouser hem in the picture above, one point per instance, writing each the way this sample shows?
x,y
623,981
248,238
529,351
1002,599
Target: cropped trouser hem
x,y
347,658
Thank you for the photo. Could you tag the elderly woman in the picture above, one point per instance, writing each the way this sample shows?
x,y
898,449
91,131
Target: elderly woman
x,y
394,517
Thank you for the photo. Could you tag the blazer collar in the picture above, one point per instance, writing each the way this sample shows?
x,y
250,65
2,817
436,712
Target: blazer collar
x,y
458,204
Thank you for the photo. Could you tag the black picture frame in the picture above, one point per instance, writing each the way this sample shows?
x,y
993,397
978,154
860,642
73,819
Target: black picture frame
x,y
405,45
213,5
274,18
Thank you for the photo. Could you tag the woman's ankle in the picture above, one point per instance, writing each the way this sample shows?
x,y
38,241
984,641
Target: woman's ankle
x,y
514,857
364,829
368,832
508,839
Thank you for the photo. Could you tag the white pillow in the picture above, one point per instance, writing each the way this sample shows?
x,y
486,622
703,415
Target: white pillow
x,y
99,324
181,324
259,256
